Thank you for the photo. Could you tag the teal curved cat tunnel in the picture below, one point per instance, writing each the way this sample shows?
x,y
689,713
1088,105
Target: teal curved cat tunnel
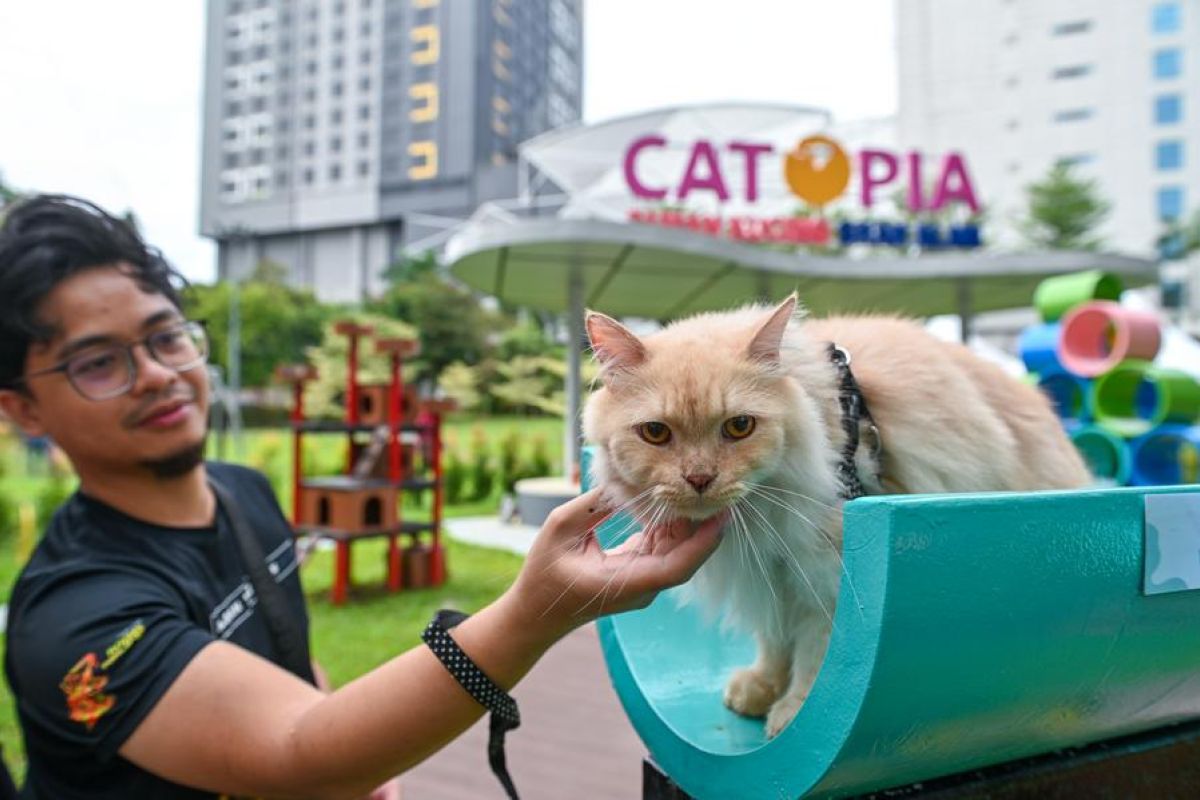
x,y
982,629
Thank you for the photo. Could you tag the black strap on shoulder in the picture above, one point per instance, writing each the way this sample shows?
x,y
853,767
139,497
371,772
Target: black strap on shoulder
x,y
854,411
286,633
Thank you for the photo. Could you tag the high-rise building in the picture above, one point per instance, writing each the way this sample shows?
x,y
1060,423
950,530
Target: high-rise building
x,y
336,131
1112,86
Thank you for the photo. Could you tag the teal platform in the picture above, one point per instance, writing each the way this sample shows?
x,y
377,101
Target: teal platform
x,y
989,628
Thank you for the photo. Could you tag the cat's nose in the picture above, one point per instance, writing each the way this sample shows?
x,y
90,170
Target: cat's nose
x,y
699,481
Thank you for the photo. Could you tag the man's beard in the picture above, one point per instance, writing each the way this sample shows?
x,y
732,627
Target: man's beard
x,y
177,464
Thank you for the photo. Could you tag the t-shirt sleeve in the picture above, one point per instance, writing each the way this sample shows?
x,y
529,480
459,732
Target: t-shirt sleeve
x,y
90,658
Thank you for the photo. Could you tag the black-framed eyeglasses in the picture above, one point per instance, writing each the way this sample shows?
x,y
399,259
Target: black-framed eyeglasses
x,y
110,370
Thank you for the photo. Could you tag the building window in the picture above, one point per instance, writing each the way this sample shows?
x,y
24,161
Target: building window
x,y
1069,28
335,172
336,89
335,144
308,177
364,141
364,83
1169,201
309,148
335,117
1166,18
1073,115
1168,63
310,121
1168,155
337,61
1168,109
364,112
1073,71
364,168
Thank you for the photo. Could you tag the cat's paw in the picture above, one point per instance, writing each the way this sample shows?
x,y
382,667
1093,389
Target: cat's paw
x,y
749,693
782,713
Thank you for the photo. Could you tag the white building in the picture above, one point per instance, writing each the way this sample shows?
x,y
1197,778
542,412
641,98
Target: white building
x,y
1111,85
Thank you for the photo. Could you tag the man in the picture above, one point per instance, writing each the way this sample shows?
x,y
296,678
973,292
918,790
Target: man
x,y
138,658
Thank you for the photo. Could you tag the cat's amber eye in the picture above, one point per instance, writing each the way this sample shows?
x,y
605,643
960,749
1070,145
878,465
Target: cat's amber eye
x,y
654,432
738,427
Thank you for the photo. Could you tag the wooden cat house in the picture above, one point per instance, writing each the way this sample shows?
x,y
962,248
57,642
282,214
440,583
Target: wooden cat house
x,y
346,504
989,645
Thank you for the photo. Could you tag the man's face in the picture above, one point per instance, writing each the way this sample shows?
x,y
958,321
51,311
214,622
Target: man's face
x,y
160,418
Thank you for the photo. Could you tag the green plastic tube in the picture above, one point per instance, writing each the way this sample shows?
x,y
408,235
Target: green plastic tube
x,y
1058,295
1136,396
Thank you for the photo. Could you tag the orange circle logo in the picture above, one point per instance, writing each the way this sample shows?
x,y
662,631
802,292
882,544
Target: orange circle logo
x,y
817,170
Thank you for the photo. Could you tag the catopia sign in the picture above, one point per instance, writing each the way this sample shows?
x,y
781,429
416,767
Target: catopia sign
x,y
819,172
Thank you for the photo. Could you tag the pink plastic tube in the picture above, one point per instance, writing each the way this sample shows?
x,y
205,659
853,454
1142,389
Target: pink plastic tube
x,y
1099,335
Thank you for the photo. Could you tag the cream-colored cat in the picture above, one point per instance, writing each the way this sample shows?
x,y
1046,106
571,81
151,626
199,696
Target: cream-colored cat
x,y
741,411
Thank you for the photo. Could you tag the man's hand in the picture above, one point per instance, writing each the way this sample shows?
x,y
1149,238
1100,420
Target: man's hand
x,y
569,579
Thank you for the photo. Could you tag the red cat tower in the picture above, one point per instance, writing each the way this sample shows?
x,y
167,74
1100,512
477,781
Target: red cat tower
x,y
393,450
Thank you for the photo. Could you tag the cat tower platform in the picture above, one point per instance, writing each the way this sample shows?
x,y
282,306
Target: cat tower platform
x,y
987,637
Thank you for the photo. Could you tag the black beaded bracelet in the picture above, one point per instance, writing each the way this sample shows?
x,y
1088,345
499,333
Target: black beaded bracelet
x,y
505,716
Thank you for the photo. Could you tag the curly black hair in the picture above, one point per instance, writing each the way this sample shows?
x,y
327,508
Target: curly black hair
x,y
48,238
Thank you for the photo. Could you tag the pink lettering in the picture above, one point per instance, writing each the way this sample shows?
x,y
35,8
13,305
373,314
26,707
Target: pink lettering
x,y
955,185
751,153
638,188
693,179
870,181
916,192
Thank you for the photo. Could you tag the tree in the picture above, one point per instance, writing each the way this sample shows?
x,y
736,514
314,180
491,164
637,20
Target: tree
x,y
448,320
278,325
1064,210
326,396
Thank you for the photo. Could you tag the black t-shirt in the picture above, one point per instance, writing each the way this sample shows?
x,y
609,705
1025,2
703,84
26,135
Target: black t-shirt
x,y
109,611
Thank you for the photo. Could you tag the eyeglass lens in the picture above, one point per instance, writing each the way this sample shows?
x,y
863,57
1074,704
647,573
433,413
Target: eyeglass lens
x,y
109,371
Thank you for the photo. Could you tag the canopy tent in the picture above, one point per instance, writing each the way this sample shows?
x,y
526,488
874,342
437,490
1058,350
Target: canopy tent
x,y
567,265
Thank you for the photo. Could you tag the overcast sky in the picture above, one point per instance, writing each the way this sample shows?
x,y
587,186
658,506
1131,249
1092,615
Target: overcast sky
x,y
102,99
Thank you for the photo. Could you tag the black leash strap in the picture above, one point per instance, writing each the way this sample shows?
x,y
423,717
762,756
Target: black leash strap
x,y
505,716
281,622
854,410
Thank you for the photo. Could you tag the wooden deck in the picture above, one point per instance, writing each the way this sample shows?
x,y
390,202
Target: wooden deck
x,y
574,740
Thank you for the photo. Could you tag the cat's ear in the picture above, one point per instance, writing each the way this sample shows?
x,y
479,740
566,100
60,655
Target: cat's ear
x,y
767,341
616,348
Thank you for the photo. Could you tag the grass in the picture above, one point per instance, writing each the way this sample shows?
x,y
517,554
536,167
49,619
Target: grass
x,y
374,626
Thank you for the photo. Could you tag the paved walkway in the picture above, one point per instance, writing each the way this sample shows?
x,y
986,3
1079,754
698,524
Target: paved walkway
x,y
491,532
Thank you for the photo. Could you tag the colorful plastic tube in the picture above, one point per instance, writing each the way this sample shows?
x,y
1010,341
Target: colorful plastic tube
x,y
1165,456
1070,395
1038,347
1058,295
1136,396
1106,454
1098,336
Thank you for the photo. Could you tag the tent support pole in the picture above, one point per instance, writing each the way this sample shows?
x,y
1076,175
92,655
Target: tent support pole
x,y
572,429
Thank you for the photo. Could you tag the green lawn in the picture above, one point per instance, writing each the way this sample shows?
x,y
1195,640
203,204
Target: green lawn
x,y
375,625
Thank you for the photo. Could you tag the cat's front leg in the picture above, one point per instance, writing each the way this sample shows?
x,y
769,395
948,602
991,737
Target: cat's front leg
x,y
811,643
752,691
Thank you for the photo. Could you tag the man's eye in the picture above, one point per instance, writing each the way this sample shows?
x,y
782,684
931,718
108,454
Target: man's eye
x,y
167,340
90,365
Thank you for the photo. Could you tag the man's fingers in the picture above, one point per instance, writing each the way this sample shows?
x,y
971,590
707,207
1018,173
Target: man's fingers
x,y
576,515
689,554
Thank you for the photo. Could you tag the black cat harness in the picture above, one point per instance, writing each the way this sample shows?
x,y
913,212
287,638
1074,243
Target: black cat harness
x,y
854,413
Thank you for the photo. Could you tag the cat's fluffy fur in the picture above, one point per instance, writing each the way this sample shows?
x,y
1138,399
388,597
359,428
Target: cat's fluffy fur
x,y
949,422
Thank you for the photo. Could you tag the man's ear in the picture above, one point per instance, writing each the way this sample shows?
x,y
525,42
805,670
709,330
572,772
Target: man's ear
x,y
22,409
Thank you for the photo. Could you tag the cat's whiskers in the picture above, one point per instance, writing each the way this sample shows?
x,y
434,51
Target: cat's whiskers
x,y
744,530
789,559
825,534
801,495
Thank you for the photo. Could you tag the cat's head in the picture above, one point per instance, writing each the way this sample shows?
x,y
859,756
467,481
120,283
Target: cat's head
x,y
691,415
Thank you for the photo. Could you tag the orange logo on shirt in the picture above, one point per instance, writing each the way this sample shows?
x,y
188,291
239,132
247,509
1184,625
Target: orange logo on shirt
x,y
86,702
